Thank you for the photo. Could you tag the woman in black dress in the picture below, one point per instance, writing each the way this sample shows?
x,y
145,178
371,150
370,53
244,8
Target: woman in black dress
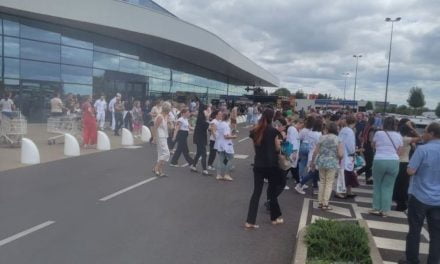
x,y
267,141
201,138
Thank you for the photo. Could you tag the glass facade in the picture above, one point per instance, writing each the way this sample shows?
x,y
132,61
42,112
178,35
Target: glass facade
x,y
38,59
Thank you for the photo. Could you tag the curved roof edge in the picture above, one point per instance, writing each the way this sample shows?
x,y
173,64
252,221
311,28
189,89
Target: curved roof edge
x,y
146,27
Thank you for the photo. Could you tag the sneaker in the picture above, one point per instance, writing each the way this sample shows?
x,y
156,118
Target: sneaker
x,y
228,178
206,173
174,165
219,177
211,168
286,187
185,165
193,169
305,186
299,189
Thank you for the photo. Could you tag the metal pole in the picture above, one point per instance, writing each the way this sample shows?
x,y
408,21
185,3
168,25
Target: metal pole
x,y
388,71
355,78
345,85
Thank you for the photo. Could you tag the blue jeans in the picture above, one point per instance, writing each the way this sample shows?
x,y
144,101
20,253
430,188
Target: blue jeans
x,y
224,162
302,165
417,211
312,175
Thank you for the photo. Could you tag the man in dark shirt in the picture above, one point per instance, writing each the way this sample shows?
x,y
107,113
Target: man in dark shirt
x,y
360,125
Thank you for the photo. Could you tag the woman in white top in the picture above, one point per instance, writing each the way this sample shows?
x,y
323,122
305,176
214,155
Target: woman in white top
x,y
161,131
293,138
388,144
410,137
225,149
181,132
304,148
216,118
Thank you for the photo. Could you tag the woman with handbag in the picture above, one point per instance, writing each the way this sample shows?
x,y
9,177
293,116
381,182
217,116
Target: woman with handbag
x,y
388,144
267,145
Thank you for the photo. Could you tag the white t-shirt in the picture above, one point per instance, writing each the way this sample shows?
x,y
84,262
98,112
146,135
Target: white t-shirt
x,y
313,139
111,105
100,106
303,133
215,123
184,125
385,150
221,143
6,105
348,139
293,137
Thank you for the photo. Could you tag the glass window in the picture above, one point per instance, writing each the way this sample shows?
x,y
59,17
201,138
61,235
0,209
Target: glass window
x,y
11,28
159,85
12,47
106,61
77,89
73,74
36,50
129,65
43,71
39,31
12,68
77,38
76,56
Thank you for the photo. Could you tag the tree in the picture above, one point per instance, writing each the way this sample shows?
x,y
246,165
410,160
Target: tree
x,y
300,95
369,105
437,110
281,92
416,98
402,110
323,96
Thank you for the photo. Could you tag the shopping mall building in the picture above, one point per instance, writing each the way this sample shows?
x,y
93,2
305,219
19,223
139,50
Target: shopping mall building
x,y
134,47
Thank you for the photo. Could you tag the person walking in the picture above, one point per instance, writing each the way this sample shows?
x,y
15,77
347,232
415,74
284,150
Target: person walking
x,y
348,139
367,150
7,105
56,105
100,107
181,135
200,138
118,109
410,137
388,144
424,197
216,116
267,145
225,149
293,138
161,131
90,130
111,108
136,113
304,148
328,152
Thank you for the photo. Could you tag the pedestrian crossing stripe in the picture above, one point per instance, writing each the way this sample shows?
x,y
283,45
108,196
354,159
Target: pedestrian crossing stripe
x,y
239,156
336,210
132,147
315,217
397,245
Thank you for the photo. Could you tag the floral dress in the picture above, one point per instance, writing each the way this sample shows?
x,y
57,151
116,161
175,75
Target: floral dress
x,y
328,152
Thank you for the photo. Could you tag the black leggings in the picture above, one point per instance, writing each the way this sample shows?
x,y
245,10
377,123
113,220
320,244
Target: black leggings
x,y
201,152
212,152
274,176
369,156
182,148
400,194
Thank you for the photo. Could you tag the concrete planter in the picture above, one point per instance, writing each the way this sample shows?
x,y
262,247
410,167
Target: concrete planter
x,y
300,255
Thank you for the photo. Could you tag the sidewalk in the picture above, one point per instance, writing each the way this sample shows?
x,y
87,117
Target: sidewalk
x,y
10,157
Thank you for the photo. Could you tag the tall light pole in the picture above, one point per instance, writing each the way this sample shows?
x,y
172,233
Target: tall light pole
x,y
355,75
389,59
345,74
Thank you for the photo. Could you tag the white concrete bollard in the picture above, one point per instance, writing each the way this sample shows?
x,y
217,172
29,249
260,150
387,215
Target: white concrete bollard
x,y
127,138
103,141
71,145
29,152
242,119
146,134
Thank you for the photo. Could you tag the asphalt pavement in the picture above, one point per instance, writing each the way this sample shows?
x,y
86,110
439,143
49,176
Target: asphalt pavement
x,y
109,208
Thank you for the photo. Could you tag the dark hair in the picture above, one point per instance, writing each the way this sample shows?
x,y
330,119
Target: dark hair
x,y
406,131
434,128
350,120
263,123
318,125
225,116
214,114
332,128
183,111
282,121
389,124
308,123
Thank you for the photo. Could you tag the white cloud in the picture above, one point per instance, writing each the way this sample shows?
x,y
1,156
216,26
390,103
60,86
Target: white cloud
x,y
308,44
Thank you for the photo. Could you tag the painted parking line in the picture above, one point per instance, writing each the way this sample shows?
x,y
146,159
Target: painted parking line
x,y
243,139
25,233
113,195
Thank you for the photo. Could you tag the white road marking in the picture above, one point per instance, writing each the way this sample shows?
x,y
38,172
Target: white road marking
x,y
108,197
25,233
359,190
389,262
336,209
315,217
304,214
388,226
243,139
360,199
396,214
132,147
239,156
398,245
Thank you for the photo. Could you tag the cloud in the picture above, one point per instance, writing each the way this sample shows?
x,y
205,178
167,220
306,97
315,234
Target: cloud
x,y
308,44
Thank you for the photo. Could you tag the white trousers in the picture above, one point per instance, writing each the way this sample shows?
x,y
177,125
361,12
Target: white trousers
x,y
113,121
100,118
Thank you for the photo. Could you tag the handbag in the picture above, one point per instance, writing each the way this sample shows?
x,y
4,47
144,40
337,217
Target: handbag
x,y
284,162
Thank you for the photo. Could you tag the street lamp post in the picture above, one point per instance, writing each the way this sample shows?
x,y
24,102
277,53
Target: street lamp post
x,y
355,75
389,59
345,74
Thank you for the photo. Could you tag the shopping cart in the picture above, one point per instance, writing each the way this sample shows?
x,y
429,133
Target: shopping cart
x,y
61,125
13,127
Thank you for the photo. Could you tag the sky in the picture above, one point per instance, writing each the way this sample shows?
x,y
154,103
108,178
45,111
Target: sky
x,y
309,44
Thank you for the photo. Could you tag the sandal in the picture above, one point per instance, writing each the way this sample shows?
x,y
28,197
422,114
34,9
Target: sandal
x,y
155,172
320,206
375,212
278,221
162,175
327,208
248,226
